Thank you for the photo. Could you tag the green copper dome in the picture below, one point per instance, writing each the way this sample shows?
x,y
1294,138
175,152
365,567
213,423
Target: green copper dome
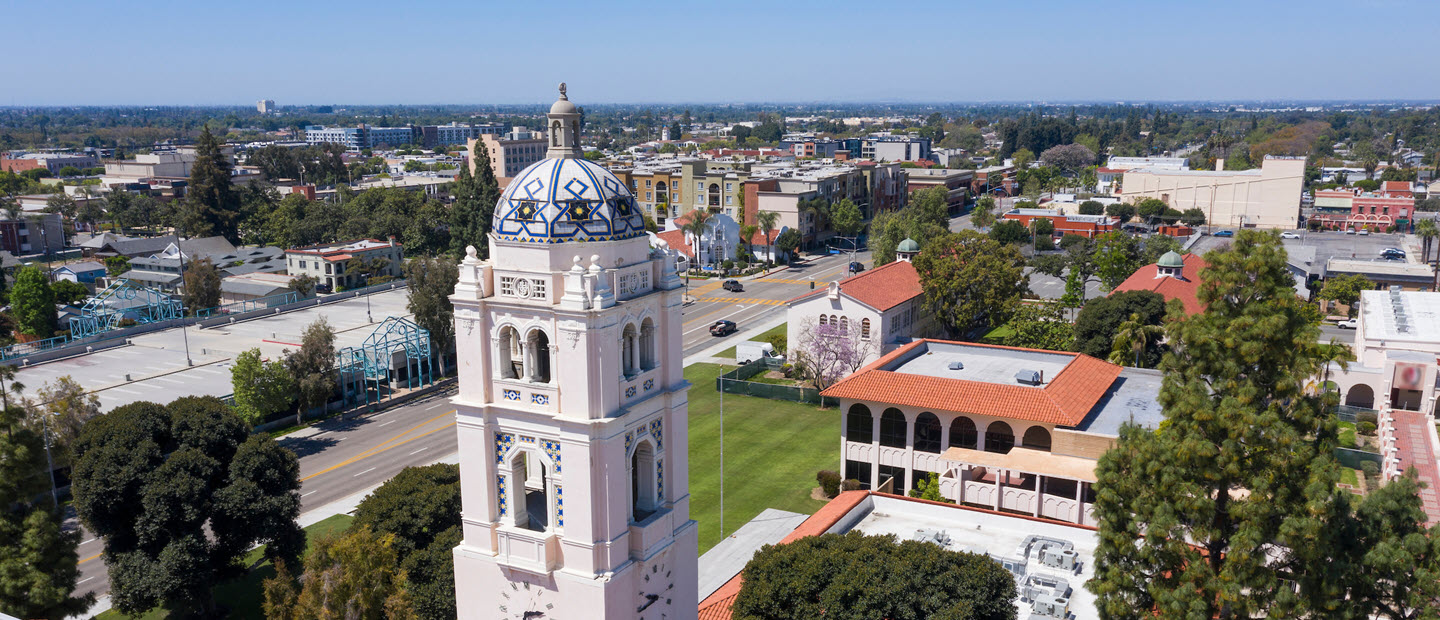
x,y
1171,259
908,245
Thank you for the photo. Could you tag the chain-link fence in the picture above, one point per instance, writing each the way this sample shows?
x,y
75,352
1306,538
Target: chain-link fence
x,y
737,382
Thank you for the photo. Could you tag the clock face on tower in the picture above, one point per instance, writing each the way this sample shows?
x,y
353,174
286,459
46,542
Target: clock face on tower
x,y
523,601
653,601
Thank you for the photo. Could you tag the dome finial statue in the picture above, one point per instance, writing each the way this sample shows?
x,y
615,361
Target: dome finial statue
x,y
562,92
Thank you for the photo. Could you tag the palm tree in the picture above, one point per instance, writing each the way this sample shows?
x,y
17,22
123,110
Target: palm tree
x,y
1336,353
747,232
696,227
1427,231
767,220
1132,338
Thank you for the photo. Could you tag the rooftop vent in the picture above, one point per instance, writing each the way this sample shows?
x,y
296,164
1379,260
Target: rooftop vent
x,y
957,365
1030,377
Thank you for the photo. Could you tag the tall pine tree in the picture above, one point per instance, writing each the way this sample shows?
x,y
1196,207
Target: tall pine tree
x,y
1230,509
212,206
475,198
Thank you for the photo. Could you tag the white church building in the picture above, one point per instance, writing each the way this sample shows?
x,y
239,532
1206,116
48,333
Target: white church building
x,y
572,406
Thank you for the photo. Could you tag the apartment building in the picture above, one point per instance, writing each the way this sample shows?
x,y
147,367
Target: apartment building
x,y
52,162
894,148
328,263
510,152
457,133
715,185
659,187
32,235
956,184
363,136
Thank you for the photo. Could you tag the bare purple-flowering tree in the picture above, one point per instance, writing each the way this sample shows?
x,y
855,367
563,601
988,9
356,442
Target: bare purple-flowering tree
x,y
1068,157
830,349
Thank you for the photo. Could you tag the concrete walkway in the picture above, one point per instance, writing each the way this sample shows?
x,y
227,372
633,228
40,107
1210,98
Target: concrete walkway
x,y
727,559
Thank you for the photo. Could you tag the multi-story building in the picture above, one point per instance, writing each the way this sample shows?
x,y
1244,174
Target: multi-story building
x,y
1004,428
1067,223
43,233
363,136
1264,197
884,306
265,106
169,165
52,162
995,180
956,184
1352,209
456,133
811,146
510,152
329,263
714,185
658,186
895,148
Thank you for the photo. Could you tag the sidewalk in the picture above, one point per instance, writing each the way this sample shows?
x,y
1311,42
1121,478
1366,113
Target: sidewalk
x,y
708,355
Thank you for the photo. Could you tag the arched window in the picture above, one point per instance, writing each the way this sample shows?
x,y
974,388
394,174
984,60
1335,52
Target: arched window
x,y
999,437
1036,438
927,433
859,424
892,428
555,134
511,362
864,329
528,487
824,320
962,433
537,356
642,482
647,344
628,353
844,326
1360,396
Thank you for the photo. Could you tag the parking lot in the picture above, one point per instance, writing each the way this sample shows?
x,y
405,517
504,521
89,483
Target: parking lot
x,y
1332,244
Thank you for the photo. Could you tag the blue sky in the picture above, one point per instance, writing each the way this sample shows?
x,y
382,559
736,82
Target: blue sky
x,y
473,51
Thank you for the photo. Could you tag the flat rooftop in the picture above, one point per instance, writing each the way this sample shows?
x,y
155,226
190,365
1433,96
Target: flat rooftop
x,y
990,365
1383,312
976,531
152,368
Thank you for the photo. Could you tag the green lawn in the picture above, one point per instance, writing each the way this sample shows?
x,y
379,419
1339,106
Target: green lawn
x,y
1348,476
998,335
244,596
773,449
778,329
1347,435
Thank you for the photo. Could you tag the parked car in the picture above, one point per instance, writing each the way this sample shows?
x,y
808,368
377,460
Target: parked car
x,y
1349,231
749,351
733,286
856,267
1348,324
1363,232
1225,233
723,328
1289,235
1392,254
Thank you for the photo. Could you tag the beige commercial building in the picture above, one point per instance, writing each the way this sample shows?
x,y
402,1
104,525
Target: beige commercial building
x,y
1264,197
512,152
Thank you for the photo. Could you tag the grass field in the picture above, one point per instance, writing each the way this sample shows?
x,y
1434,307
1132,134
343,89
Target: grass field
x,y
778,329
1347,434
772,450
244,595
1348,476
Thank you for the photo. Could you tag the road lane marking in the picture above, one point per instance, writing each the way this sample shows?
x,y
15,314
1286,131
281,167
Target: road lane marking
x,y
419,451
382,446
363,472
304,494
89,541
763,302
84,580
386,422
689,331
88,559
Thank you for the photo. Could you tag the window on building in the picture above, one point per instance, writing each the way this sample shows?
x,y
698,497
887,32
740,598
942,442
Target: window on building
x,y
864,329
892,429
962,433
927,433
859,424
999,437
537,287
507,285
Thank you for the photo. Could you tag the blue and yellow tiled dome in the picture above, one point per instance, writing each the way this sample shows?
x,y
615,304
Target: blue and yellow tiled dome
x,y
558,199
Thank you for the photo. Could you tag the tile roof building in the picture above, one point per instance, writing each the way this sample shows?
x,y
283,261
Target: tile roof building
x,y
884,305
1178,278
1004,428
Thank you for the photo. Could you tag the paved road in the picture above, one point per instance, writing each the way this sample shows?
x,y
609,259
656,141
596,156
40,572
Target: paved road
x,y
338,458
762,298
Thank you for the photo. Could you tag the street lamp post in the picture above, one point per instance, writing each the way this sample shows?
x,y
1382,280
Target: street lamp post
x,y
49,462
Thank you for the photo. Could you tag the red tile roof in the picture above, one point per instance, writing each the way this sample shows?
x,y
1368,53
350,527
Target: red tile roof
x,y
1146,279
1065,400
676,240
1399,187
881,288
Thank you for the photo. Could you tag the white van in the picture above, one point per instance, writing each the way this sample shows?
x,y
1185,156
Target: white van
x,y
749,351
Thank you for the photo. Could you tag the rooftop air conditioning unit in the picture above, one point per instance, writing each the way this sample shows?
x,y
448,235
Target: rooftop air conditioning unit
x,y
1051,607
957,365
1064,559
1030,377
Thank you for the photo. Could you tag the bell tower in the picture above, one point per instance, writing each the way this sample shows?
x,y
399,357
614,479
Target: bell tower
x,y
572,410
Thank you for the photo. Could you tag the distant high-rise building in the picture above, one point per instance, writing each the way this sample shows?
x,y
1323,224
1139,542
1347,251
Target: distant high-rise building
x,y
265,106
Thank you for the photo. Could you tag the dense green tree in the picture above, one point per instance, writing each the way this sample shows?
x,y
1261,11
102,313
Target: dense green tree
x,y
1092,207
202,284
431,282
38,565
1192,217
313,367
63,409
355,576
1121,210
1099,320
1155,246
983,216
1040,326
846,219
475,198
972,283
925,218
856,576
417,505
431,572
788,242
69,292
1132,339
212,207
1010,232
32,303
261,387
180,493
1230,508
1345,290
1116,257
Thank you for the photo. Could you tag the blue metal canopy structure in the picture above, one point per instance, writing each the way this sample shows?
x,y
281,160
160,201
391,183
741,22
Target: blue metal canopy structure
x,y
122,300
398,350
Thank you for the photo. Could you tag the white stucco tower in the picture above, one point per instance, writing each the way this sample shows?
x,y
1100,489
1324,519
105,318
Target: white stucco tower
x,y
572,406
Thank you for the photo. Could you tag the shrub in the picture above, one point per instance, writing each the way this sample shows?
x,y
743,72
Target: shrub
x,y
728,264
850,485
1371,468
1366,428
829,482
1367,416
778,342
